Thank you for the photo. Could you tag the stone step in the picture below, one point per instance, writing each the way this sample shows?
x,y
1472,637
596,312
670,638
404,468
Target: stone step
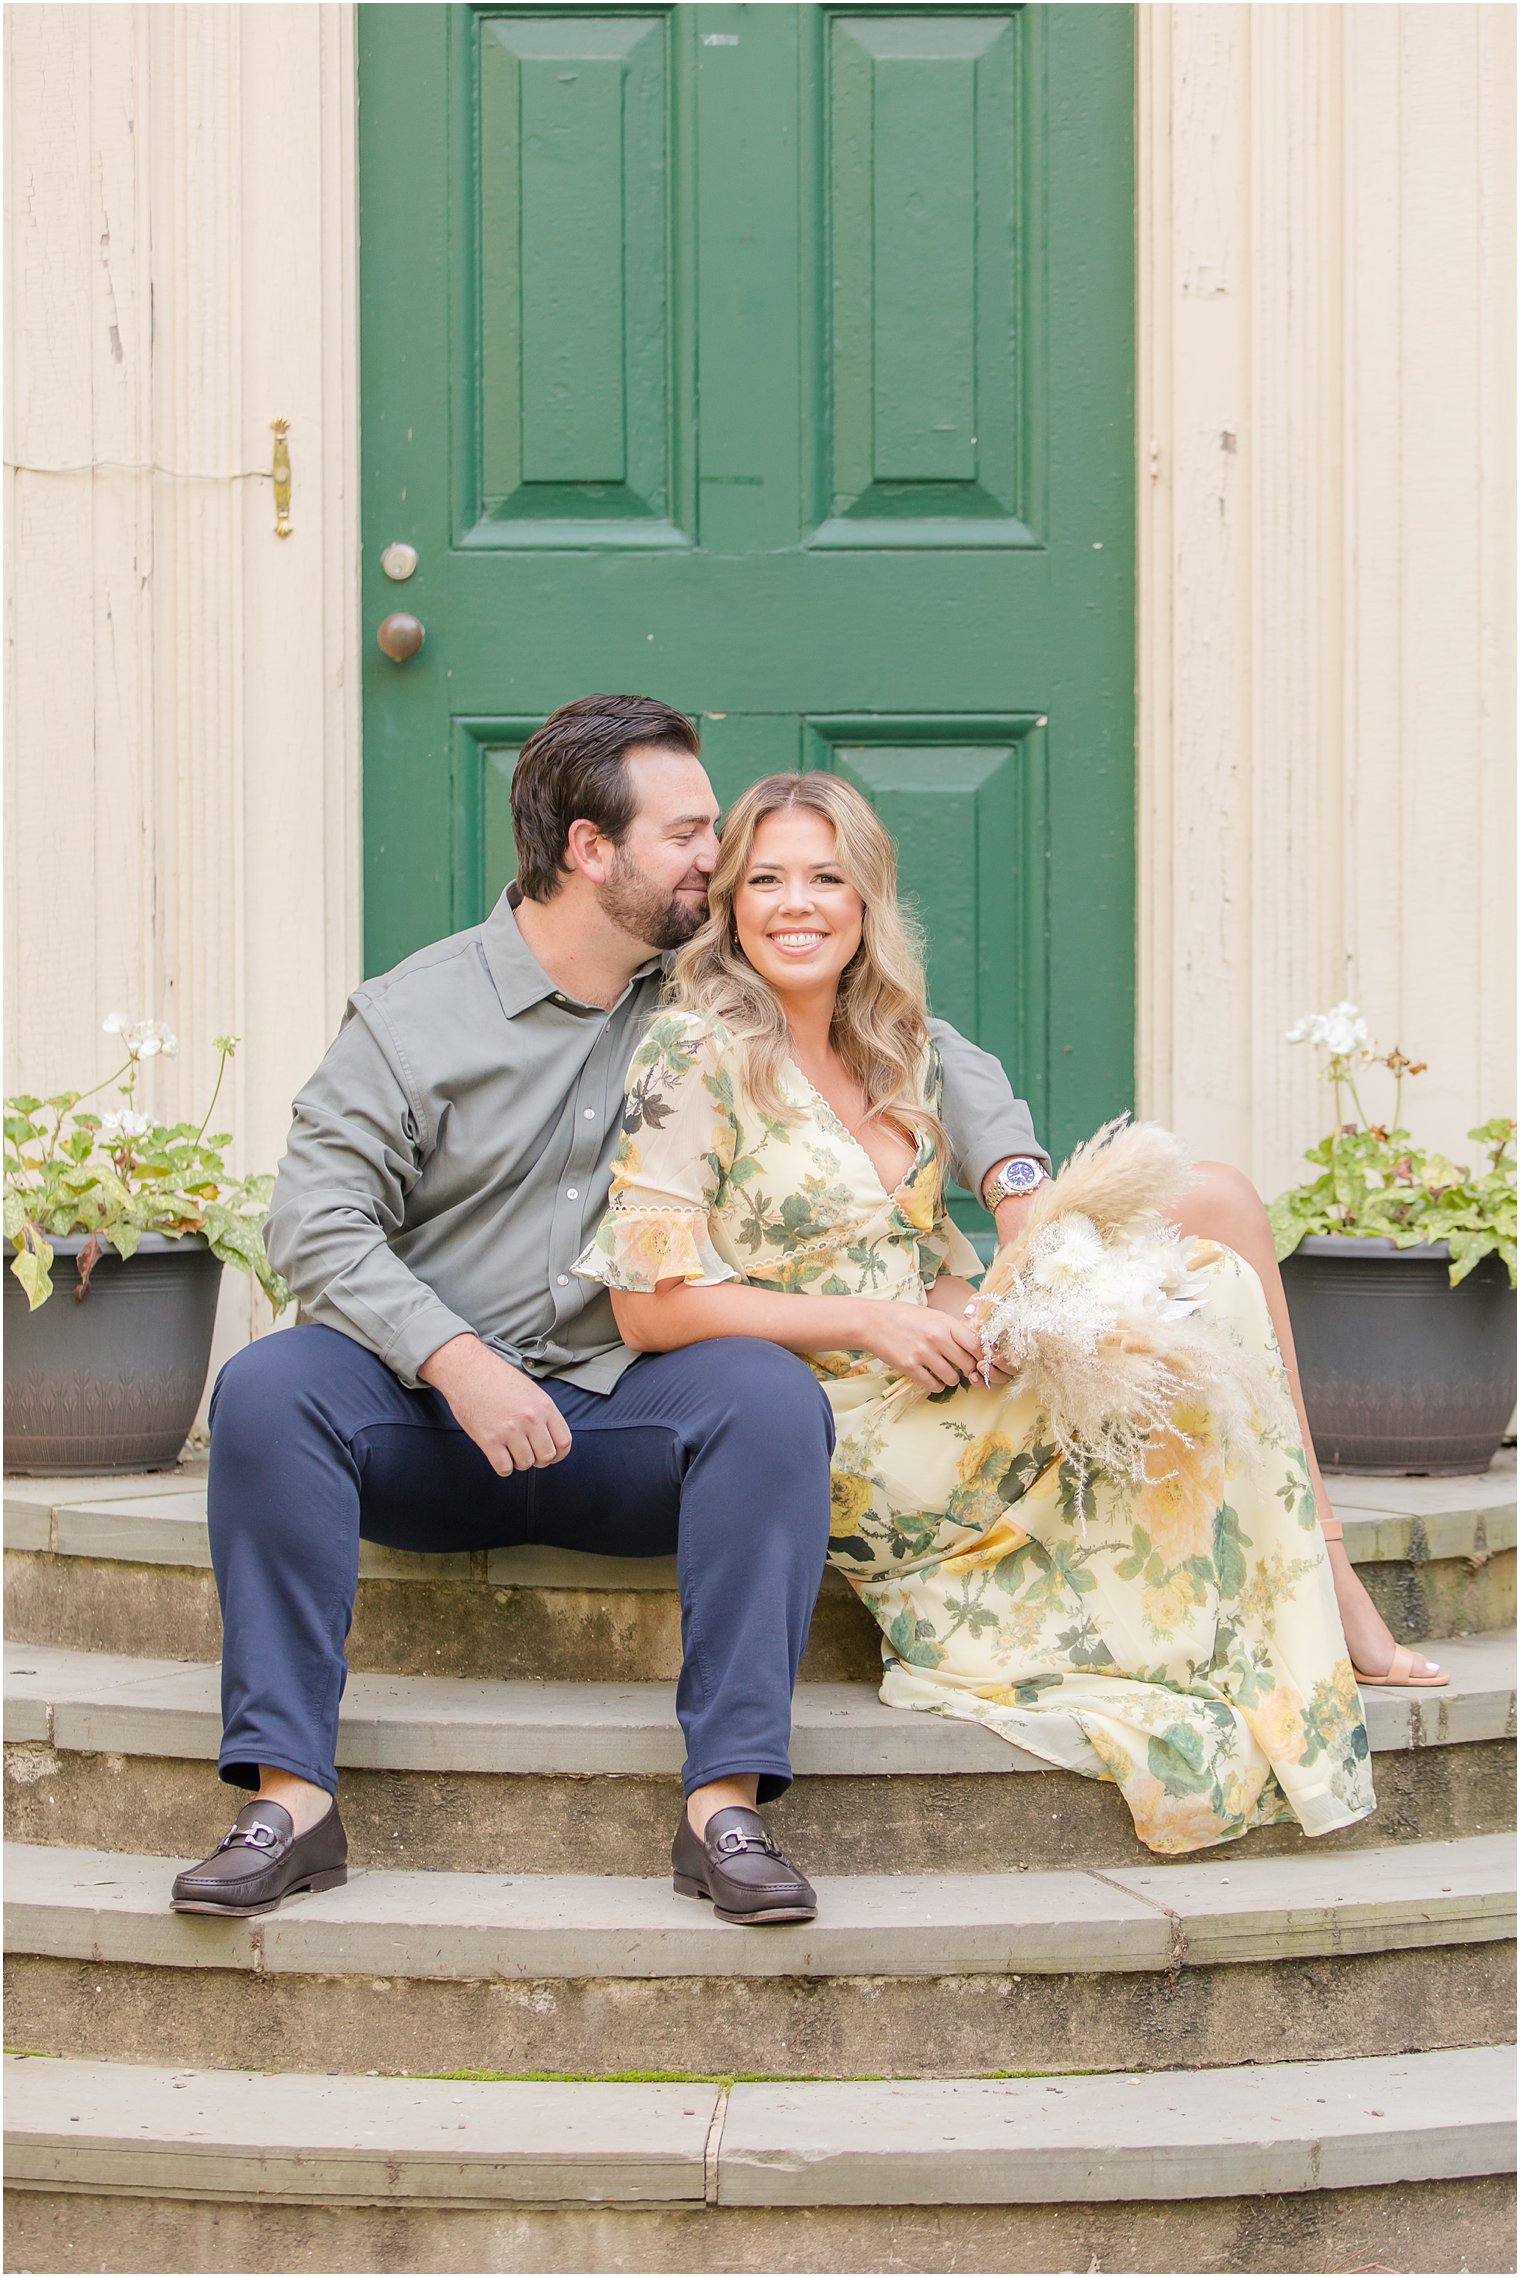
x,y
117,2167
123,1566
521,1777
1220,1962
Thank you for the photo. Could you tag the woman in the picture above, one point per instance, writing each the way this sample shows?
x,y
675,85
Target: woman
x,y
780,1177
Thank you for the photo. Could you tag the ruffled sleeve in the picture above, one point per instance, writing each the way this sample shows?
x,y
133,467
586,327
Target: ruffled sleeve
x,y
680,1136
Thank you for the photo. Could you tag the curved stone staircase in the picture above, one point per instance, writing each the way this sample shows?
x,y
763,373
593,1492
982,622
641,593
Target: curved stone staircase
x,y
1012,2040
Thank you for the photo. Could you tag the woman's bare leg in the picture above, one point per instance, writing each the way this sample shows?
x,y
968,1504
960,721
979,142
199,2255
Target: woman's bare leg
x,y
1223,1205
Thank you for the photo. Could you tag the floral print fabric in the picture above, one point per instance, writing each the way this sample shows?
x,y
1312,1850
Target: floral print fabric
x,y
1182,1640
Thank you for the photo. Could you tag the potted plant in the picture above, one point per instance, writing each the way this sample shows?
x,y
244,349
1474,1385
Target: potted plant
x,y
1399,1266
107,1375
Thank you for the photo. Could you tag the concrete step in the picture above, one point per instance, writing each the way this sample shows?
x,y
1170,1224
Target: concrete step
x,y
1209,1963
115,2167
123,1566
518,1777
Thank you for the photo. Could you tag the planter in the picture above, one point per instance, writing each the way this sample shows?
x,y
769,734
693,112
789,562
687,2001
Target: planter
x,y
111,1382
1402,1373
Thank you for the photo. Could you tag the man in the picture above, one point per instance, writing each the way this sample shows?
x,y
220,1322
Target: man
x,y
455,1385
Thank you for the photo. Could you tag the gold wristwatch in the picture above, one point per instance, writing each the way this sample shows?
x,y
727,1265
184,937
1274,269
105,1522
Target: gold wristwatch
x,y
1020,1174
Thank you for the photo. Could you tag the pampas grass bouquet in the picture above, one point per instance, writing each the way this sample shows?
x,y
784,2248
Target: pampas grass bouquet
x,y
1094,1309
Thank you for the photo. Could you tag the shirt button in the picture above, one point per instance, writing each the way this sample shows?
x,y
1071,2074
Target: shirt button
x,y
563,1280
589,1113
572,1193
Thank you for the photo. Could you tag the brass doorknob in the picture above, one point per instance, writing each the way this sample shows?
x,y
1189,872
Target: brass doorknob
x,y
400,637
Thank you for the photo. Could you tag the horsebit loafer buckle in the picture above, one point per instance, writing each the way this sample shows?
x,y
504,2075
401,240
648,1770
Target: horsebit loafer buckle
x,y
257,1837
733,1839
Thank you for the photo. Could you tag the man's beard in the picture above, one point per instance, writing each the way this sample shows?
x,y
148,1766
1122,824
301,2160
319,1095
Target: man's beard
x,y
647,911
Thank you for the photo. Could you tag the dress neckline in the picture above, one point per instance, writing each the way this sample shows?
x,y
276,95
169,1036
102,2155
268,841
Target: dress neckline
x,y
893,1195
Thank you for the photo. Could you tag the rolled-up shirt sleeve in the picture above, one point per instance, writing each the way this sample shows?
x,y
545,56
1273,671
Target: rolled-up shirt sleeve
x,y
356,1148
983,1120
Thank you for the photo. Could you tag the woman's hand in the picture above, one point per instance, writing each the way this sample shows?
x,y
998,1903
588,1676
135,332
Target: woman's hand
x,y
949,1293
935,1349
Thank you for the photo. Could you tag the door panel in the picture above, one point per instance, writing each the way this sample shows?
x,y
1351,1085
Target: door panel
x,y
775,360
924,243
575,356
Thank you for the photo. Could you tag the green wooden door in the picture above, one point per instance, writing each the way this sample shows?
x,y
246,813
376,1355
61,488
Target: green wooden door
x,y
777,361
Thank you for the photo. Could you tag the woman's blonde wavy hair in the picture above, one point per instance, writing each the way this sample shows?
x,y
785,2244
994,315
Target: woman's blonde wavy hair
x,y
880,1027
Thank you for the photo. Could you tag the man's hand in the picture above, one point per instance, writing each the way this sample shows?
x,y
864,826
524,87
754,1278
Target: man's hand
x,y
511,1419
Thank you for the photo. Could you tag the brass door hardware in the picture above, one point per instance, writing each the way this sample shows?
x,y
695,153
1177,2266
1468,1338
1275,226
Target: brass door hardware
x,y
400,637
281,473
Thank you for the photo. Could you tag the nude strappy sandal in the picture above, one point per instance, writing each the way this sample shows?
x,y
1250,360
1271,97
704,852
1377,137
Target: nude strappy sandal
x,y
1402,1670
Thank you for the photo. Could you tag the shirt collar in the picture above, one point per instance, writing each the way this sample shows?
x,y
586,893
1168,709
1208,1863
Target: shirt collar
x,y
519,977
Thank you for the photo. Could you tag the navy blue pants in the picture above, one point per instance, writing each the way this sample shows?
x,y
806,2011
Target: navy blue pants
x,y
719,1453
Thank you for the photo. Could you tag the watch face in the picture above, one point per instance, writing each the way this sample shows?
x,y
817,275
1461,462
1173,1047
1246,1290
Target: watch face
x,y
1020,1177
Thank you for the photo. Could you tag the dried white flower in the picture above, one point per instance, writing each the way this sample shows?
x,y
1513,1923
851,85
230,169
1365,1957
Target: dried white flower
x,y
1109,1337
1096,1310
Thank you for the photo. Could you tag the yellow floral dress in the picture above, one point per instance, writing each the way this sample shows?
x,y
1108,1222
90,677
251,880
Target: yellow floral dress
x,y
1184,1644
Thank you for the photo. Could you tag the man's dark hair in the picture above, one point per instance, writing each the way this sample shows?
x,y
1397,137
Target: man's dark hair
x,y
571,769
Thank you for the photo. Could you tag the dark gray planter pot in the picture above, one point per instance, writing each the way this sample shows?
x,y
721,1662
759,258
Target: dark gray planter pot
x,y
1402,1373
112,1382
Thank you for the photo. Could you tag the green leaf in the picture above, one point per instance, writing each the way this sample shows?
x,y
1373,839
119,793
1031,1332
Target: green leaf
x,y
1468,1250
1292,1216
21,1130
32,1266
24,1103
240,1241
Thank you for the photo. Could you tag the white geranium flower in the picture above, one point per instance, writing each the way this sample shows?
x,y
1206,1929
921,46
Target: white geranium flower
x,y
1345,1030
126,1125
147,1038
1341,1030
114,1023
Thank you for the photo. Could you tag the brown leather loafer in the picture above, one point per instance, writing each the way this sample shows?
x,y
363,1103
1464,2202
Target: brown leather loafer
x,y
261,1860
737,1864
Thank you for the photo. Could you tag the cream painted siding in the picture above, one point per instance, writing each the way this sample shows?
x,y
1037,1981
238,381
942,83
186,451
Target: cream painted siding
x,y
182,812
1326,452
1327,427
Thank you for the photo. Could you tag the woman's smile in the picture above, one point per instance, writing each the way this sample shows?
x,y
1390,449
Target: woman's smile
x,y
796,914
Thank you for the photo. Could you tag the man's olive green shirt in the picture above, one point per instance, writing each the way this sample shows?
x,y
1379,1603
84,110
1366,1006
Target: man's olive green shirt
x,y
450,1158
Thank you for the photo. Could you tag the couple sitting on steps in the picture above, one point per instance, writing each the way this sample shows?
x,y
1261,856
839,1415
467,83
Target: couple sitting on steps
x,y
496,1349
